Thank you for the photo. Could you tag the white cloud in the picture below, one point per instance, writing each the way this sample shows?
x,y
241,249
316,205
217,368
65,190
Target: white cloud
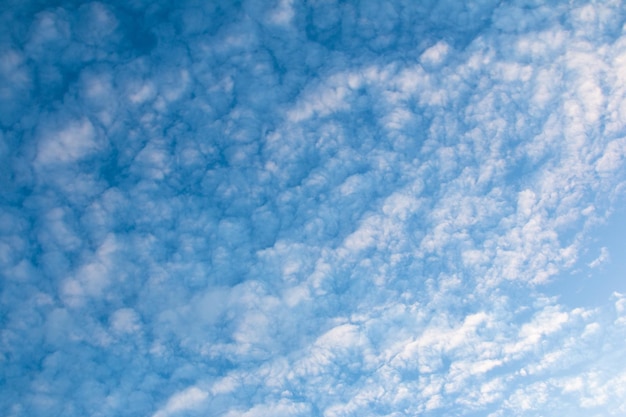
x,y
183,401
125,321
547,321
601,259
70,144
612,157
435,54
283,13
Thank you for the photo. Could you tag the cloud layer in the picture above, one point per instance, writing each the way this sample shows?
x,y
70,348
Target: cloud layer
x,y
309,209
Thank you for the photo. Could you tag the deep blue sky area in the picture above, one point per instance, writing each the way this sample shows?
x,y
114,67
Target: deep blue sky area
x,y
312,208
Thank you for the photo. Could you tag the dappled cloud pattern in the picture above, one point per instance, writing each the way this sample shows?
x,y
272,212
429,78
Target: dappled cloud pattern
x,y
318,208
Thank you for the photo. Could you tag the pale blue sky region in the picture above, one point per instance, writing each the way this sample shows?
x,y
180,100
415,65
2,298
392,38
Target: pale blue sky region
x,y
333,209
600,271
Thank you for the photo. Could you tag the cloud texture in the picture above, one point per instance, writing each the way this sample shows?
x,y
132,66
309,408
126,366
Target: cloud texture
x,y
311,208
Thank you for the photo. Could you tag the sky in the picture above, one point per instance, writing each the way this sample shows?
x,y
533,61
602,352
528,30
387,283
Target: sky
x,y
312,208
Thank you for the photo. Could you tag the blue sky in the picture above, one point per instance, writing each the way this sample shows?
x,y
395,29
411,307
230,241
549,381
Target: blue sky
x,y
283,208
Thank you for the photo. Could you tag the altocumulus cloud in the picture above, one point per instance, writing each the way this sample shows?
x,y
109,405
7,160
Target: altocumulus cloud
x,y
310,208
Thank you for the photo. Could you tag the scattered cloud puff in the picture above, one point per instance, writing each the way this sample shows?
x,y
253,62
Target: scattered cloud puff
x,y
310,209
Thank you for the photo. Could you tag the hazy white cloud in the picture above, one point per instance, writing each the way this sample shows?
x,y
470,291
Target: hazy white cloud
x,y
601,259
68,145
182,401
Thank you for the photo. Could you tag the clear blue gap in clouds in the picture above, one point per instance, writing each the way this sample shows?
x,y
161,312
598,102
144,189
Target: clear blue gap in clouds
x,y
599,273
312,208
